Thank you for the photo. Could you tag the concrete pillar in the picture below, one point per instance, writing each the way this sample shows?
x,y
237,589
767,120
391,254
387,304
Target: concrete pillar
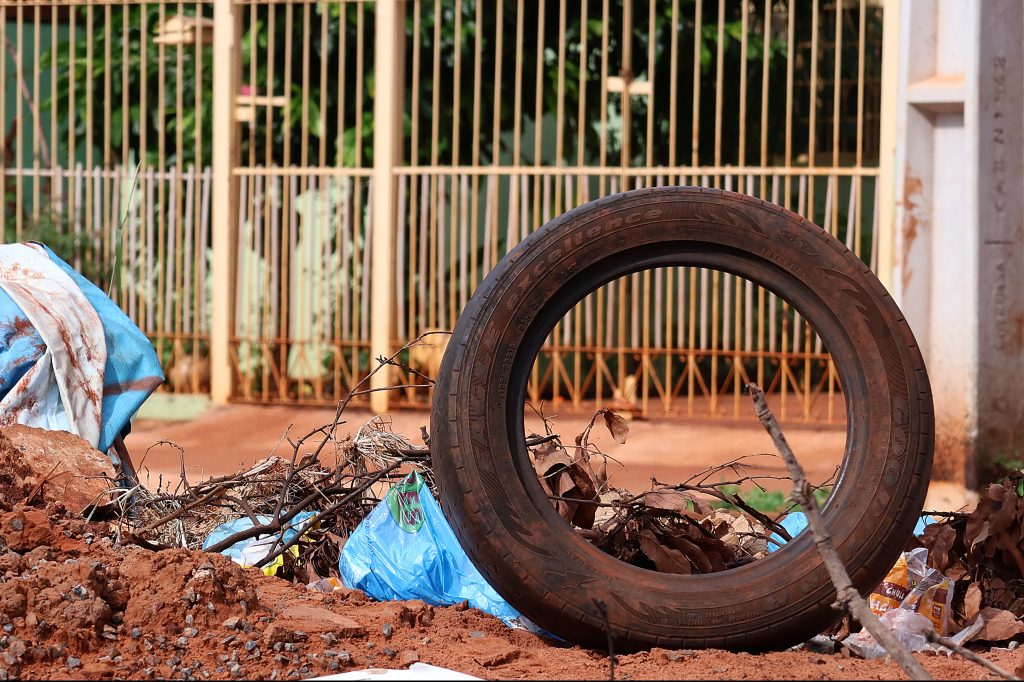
x,y
958,243
1000,84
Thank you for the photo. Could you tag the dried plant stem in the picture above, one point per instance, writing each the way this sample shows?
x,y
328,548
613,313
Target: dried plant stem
x,y
969,655
847,595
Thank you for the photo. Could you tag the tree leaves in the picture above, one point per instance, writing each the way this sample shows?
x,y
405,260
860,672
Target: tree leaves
x,y
982,552
666,560
565,478
972,601
670,528
669,499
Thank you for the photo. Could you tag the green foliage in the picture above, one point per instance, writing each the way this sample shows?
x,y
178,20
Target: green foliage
x,y
769,502
136,64
340,118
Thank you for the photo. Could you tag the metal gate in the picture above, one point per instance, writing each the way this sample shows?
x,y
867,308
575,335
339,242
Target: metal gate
x,y
278,197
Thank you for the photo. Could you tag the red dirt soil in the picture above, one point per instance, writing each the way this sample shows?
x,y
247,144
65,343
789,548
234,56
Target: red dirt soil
x,y
224,439
74,605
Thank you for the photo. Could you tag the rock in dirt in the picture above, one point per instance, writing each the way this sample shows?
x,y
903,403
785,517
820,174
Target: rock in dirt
x,y
53,467
309,620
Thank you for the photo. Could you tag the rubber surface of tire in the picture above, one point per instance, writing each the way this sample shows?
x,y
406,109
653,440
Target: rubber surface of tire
x,y
490,493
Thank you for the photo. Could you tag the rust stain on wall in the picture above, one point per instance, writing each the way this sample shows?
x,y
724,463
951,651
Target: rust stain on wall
x,y
913,189
1017,333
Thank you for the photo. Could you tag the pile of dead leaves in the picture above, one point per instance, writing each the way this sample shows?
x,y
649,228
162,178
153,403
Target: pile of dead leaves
x,y
670,529
981,552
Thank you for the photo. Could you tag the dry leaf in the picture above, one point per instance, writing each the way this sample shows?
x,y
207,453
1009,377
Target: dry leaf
x,y
549,456
695,553
665,559
939,539
1000,625
972,601
672,500
617,426
601,475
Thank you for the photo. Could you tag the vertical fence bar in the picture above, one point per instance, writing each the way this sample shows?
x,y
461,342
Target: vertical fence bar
x,y
387,110
225,85
884,238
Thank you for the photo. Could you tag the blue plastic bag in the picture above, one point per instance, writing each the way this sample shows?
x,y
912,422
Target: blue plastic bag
x,y
796,522
405,549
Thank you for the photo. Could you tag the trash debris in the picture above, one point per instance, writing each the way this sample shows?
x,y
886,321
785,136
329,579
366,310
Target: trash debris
x,y
416,671
913,586
405,549
250,552
908,626
70,359
326,585
912,600
979,550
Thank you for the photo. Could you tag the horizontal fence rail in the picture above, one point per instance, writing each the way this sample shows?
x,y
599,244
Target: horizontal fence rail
x,y
508,113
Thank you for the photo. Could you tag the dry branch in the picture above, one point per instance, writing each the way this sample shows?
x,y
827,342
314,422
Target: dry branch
x,y
274,492
847,596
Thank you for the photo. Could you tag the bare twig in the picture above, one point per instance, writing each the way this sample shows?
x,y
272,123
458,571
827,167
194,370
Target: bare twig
x,y
39,486
603,609
847,596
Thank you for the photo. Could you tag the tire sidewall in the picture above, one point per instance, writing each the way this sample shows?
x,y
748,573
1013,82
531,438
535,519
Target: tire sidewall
x,y
558,580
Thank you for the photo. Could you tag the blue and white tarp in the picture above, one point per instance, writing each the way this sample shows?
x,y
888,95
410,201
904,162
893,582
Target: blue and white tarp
x,y
70,359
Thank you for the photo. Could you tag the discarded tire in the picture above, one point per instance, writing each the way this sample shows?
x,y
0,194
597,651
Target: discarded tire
x,y
490,492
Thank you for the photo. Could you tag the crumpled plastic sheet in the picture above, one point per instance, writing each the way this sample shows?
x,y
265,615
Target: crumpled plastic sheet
x,y
910,629
405,549
249,552
917,599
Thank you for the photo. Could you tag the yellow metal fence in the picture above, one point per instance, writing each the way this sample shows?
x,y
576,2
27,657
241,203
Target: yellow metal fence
x,y
383,156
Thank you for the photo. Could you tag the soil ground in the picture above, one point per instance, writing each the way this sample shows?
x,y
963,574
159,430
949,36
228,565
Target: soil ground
x,y
227,438
222,440
75,606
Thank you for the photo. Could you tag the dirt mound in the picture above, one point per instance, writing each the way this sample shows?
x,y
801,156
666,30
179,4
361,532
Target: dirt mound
x,y
51,467
74,604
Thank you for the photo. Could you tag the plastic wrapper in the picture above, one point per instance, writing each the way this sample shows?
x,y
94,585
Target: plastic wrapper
x,y
912,586
405,549
326,585
249,552
910,601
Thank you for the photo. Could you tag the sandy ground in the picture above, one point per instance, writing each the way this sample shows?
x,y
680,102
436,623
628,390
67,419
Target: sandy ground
x,y
226,438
